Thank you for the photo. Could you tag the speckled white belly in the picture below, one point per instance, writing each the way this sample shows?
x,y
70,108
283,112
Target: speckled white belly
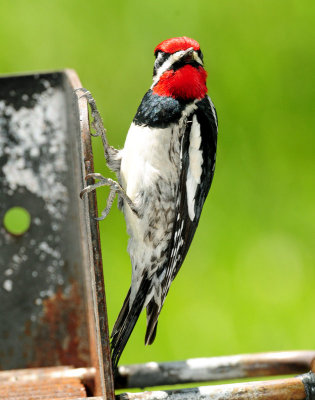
x,y
150,166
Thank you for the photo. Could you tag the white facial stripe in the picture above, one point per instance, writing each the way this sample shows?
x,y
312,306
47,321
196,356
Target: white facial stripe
x,y
173,58
167,65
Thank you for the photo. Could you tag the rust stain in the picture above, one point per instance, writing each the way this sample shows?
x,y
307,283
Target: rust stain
x,y
60,340
27,330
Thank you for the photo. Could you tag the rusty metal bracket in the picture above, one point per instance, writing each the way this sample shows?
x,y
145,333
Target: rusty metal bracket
x,y
52,296
95,262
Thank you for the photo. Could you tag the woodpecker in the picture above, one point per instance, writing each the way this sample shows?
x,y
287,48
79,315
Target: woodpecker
x,y
164,174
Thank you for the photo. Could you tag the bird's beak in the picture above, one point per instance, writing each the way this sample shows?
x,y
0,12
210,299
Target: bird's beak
x,y
189,51
182,54
190,55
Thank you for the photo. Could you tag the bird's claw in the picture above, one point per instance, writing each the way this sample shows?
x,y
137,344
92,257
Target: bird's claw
x,y
114,188
83,192
95,175
86,93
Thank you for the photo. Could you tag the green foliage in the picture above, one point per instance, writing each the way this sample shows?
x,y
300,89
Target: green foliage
x,y
247,284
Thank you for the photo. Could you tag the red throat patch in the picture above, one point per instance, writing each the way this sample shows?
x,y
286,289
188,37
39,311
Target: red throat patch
x,y
187,83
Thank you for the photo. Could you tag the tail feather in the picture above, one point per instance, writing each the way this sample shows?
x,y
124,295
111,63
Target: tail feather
x,y
153,312
126,321
122,314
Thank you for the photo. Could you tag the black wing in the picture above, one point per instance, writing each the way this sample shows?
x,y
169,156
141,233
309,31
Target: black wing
x,y
185,227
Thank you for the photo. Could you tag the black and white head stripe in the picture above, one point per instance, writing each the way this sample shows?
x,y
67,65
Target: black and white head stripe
x,y
161,57
166,61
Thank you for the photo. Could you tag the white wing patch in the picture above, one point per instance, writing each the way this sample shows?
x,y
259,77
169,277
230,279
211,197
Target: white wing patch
x,y
195,166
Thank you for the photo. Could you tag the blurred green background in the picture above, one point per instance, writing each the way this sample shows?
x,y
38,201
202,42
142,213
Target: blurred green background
x,y
247,284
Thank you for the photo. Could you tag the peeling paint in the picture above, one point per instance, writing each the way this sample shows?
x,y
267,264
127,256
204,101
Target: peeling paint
x,y
37,131
44,246
8,285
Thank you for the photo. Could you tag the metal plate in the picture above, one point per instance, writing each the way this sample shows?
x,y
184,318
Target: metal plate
x,y
43,315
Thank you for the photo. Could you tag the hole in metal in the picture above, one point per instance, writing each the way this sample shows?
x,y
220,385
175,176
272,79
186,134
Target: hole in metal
x,y
17,220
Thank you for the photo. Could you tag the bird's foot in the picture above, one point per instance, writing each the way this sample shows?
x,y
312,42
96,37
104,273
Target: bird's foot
x,y
114,188
97,122
111,154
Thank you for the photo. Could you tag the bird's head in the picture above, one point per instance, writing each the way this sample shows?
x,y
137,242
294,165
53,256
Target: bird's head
x,y
178,69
